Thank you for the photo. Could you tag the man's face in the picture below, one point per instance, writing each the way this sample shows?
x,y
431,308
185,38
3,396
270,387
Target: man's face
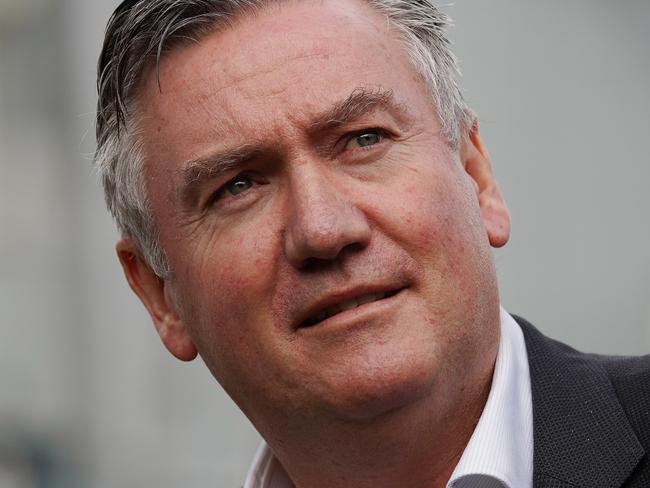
x,y
327,247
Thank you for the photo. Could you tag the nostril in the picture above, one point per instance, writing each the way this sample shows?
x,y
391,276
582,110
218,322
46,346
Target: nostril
x,y
319,264
316,264
352,248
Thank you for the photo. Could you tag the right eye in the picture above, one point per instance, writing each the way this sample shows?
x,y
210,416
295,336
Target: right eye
x,y
237,185
236,191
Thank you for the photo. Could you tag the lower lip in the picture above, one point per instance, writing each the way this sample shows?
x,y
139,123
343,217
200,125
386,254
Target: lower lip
x,y
356,316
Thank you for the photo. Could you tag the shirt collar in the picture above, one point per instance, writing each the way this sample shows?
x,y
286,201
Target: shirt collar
x,y
266,471
499,453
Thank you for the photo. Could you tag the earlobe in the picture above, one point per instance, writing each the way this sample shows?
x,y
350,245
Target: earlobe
x,y
153,291
494,211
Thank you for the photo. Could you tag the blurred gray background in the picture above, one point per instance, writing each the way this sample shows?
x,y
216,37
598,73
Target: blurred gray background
x,y
89,397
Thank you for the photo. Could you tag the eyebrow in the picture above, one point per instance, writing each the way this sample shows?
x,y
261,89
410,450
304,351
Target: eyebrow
x,y
198,171
360,102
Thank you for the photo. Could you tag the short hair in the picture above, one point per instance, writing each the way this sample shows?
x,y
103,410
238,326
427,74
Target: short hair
x,y
141,31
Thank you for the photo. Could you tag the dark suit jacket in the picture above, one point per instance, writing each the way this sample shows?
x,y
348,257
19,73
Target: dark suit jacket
x,y
591,416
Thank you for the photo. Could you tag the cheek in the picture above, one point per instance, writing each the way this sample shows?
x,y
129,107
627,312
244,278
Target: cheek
x,y
424,220
440,225
227,279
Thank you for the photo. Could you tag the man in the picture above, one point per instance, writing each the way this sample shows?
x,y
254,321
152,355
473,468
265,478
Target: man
x,y
305,201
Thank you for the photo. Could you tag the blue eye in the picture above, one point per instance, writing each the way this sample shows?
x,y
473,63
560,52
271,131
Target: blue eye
x,y
238,193
365,139
368,139
238,185
232,188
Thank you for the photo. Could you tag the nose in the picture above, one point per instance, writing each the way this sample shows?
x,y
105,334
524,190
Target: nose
x,y
323,221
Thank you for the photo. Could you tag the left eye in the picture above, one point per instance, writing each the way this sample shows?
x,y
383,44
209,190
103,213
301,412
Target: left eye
x,y
365,139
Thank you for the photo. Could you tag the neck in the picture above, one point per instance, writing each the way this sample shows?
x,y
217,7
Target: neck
x,y
417,445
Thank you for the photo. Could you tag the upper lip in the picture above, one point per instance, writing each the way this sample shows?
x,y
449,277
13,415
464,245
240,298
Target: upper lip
x,y
341,297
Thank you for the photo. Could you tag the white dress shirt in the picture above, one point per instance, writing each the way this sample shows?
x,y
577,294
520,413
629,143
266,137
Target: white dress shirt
x,y
500,452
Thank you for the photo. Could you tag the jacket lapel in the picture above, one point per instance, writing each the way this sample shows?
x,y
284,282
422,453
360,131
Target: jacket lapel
x,y
582,437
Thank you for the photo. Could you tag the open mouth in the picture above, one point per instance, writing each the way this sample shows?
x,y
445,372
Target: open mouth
x,y
355,302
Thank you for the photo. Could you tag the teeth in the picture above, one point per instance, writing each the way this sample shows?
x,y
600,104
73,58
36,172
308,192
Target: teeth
x,y
348,305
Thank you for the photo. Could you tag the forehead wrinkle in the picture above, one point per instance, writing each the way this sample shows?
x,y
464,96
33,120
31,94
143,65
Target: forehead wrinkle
x,y
279,64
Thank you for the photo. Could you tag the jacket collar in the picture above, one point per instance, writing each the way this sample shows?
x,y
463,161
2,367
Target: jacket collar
x,y
582,437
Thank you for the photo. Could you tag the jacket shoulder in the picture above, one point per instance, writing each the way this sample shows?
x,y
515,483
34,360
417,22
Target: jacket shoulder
x,y
630,377
591,382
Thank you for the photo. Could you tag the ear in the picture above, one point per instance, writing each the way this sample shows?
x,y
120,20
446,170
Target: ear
x,y
155,294
477,164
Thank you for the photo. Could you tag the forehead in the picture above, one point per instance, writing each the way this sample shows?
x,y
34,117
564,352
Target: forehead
x,y
270,70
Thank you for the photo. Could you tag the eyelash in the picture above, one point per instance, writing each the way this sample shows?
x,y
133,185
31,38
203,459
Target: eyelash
x,y
381,133
220,193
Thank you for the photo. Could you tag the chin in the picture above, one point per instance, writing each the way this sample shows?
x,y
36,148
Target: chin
x,y
371,392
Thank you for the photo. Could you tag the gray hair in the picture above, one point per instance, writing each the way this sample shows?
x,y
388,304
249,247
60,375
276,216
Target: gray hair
x,y
141,31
